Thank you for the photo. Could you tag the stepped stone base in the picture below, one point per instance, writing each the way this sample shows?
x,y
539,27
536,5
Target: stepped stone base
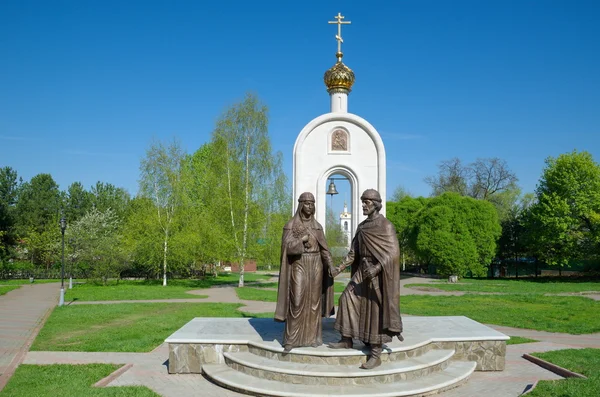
x,y
205,341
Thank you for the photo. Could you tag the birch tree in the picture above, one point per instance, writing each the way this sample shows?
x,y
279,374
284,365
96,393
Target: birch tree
x,y
160,181
249,173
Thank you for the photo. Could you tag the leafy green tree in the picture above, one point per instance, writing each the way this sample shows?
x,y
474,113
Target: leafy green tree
x,y
566,216
107,195
251,174
96,240
161,182
457,234
206,222
514,241
9,186
38,205
402,214
78,202
142,239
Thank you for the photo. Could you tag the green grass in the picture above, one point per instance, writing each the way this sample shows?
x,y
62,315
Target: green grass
x,y
68,381
7,288
256,294
26,281
127,291
337,287
152,289
124,327
582,361
528,286
574,315
517,340
268,295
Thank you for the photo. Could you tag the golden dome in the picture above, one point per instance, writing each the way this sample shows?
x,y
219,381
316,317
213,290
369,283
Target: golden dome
x,y
339,76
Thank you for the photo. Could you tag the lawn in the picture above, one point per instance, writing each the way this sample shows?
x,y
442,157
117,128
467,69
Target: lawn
x,y
517,340
582,361
526,286
26,281
152,289
574,315
130,327
7,288
68,381
268,295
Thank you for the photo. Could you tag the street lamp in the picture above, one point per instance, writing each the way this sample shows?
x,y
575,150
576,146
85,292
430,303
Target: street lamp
x,y
63,226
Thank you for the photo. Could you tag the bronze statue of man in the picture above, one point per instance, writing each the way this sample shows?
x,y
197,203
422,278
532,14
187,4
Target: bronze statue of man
x,y
305,293
369,306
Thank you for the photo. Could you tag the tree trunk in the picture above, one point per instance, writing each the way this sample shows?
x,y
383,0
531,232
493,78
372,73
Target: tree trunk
x,y
241,282
165,260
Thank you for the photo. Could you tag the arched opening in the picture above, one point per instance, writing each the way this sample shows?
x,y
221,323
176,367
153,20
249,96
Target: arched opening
x,y
338,217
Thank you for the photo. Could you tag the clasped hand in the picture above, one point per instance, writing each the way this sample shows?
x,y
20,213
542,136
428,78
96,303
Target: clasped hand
x,y
370,272
334,271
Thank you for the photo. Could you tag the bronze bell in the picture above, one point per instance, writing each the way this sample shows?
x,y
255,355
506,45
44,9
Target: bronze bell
x,y
332,189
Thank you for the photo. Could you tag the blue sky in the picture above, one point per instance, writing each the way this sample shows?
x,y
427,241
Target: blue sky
x,y
86,85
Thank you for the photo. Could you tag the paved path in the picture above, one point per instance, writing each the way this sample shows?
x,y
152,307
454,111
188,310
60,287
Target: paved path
x,y
22,313
149,369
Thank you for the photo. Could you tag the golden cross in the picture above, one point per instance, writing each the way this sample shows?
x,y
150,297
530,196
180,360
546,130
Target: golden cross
x,y
338,36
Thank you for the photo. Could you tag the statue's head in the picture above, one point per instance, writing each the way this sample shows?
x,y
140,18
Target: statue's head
x,y
307,204
371,201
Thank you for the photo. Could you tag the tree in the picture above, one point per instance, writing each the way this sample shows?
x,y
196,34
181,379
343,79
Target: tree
x,y
9,186
78,202
95,240
402,214
399,193
107,195
514,241
38,205
487,179
457,234
142,239
452,177
161,182
251,176
566,216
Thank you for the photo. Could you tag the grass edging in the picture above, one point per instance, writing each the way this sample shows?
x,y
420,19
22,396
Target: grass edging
x,y
560,371
105,381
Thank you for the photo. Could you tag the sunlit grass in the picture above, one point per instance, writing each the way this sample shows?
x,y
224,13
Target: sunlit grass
x,y
582,361
152,289
7,288
68,381
512,286
575,315
517,340
124,327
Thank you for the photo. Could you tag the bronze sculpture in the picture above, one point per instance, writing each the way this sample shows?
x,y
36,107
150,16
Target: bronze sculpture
x,y
305,292
369,306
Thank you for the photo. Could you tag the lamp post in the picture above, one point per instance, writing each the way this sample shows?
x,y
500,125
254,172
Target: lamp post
x,y
63,226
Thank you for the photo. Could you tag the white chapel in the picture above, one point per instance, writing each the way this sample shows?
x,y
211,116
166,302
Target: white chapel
x,y
340,143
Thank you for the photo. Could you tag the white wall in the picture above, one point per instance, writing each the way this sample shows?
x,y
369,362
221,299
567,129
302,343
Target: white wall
x,y
363,164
